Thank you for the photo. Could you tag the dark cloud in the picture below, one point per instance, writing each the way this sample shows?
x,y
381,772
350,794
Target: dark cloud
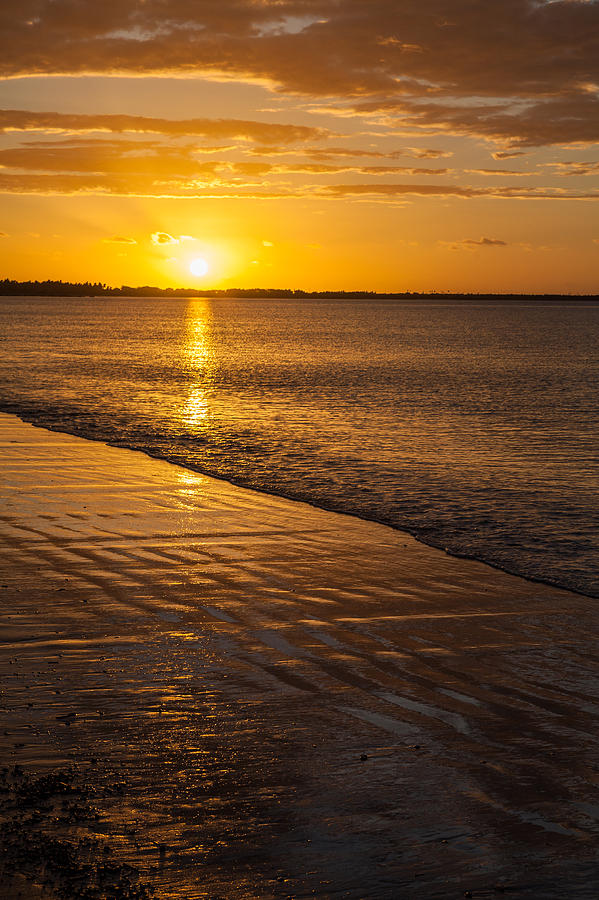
x,y
520,70
571,118
484,242
492,172
508,154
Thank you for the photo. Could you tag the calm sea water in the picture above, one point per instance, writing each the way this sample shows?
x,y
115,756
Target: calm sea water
x,y
472,425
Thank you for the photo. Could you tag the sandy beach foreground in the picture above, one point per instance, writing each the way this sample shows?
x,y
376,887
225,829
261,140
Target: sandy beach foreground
x,y
210,692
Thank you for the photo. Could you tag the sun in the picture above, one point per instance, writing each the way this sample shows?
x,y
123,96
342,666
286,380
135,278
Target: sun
x,y
198,267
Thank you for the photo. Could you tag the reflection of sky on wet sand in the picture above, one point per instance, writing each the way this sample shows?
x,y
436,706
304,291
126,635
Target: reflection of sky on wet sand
x,y
188,485
199,358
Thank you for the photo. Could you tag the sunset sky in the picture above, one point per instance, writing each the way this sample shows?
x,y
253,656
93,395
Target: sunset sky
x,y
368,144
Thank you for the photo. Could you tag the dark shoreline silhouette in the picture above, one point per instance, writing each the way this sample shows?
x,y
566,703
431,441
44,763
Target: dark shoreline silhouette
x,y
11,288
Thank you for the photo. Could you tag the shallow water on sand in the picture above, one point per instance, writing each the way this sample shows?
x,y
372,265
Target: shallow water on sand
x,y
473,425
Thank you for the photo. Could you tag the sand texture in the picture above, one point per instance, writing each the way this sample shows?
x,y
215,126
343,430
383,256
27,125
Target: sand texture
x,y
211,692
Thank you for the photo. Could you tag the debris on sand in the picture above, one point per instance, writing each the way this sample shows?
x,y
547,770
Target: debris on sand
x,y
45,837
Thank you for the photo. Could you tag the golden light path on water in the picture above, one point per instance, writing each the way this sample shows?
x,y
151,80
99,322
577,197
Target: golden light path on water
x,y
199,358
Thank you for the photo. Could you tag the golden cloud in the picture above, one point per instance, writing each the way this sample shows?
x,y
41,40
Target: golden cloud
x,y
117,239
161,237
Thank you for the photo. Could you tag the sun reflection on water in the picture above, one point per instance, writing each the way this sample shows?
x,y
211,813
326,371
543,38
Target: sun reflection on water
x,y
199,357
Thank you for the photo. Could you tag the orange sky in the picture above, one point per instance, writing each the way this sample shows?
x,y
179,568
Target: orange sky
x,y
387,145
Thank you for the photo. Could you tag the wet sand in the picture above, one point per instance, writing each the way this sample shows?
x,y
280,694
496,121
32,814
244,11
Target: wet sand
x,y
211,692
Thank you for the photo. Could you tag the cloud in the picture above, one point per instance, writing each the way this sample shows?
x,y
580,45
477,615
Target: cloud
x,y
117,239
484,242
127,167
515,172
105,157
238,129
109,156
508,154
143,186
390,190
572,118
396,190
472,245
575,167
4,234
521,70
161,237
257,138
414,152
325,169
51,184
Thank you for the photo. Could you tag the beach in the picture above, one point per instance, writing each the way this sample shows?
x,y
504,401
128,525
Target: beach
x,y
214,692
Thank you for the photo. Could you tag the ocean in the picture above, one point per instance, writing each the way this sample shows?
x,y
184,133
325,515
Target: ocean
x,y
473,425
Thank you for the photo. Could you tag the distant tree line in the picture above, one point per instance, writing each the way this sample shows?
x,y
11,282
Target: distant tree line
x,y
49,288
52,288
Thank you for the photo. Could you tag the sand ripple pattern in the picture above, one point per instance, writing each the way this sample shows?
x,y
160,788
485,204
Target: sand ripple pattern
x,y
301,701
